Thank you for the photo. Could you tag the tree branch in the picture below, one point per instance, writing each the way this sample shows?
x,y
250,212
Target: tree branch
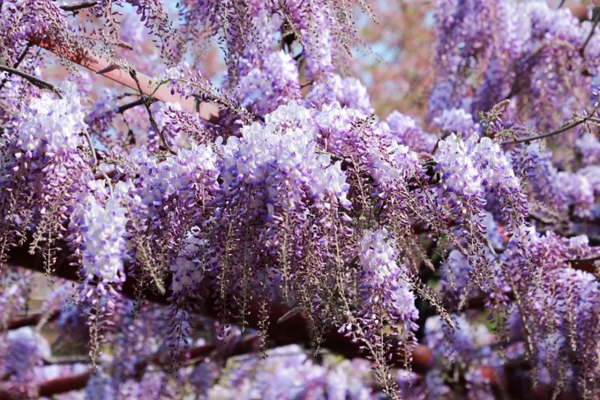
x,y
36,81
249,344
596,19
133,104
17,63
293,330
33,319
586,264
75,8
113,70
562,129
146,102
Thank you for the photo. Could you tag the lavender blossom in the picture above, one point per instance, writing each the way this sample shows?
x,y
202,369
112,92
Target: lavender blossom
x,y
578,193
456,121
589,147
104,235
384,281
406,130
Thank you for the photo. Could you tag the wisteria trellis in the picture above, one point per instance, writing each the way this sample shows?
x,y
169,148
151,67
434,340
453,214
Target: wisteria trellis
x,y
229,241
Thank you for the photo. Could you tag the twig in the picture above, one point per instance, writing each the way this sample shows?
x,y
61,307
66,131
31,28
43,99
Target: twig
x,y
32,79
133,104
75,8
28,320
19,60
147,101
307,84
98,63
289,314
92,149
594,119
562,3
51,360
596,19
554,132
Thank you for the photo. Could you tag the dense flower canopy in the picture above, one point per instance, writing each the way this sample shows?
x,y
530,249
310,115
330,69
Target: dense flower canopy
x,y
232,218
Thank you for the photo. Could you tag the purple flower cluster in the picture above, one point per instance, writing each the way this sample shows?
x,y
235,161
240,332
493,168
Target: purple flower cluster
x,y
456,121
373,237
21,353
282,156
262,90
534,163
289,374
578,193
102,225
348,91
182,175
384,281
406,131
589,147
459,172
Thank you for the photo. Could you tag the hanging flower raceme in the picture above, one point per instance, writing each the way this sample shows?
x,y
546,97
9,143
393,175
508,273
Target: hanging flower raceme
x,y
51,126
98,226
407,132
369,147
101,220
384,283
266,87
23,21
184,175
281,160
457,269
554,298
280,196
502,187
476,173
44,153
577,306
481,172
458,121
316,35
459,172
534,163
170,192
349,92
393,166
195,259
578,193
456,272
460,47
